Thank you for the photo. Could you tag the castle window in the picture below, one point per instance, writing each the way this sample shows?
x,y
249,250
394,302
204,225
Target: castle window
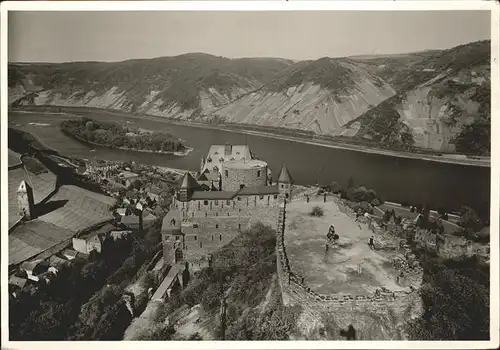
x,y
239,226
177,238
195,225
228,202
195,238
212,237
220,237
205,202
201,245
216,202
239,198
216,225
226,173
282,185
258,173
275,196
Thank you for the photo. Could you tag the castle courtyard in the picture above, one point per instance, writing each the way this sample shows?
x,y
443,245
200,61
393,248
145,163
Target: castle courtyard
x,y
335,270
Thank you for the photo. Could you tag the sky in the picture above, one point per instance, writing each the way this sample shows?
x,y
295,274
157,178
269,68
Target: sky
x,y
116,36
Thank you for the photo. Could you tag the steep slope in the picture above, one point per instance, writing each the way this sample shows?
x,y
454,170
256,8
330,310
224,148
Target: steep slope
x,y
443,104
318,96
180,86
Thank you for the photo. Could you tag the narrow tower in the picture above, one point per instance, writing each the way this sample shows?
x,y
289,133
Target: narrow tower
x,y
188,186
25,201
285,183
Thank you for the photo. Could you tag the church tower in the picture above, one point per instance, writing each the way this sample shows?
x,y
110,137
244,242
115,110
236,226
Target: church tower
x,y
285,183
188,186
25,201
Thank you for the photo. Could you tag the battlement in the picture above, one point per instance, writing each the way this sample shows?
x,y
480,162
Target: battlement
x,y
296,290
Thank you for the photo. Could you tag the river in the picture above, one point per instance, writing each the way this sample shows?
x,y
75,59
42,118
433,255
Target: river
x,y
394,178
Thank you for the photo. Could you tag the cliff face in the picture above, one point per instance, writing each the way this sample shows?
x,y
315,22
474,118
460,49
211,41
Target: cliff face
x,y
444,106
320,96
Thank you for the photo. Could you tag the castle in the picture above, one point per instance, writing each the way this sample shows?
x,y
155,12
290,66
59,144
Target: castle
x,y
207,212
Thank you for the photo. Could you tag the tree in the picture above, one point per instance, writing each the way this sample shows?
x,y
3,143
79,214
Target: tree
x,y
137,184
469,219
104,316
149,280
475,138
456,306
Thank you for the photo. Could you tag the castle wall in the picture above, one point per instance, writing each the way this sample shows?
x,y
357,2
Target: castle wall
x,y
294,291
222,207
232,178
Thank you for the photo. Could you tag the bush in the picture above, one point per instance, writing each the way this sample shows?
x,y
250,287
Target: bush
x,y
456,301
149,281
316,211
364,207
469,219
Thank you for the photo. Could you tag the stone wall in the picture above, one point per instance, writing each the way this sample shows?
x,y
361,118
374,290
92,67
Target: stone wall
x,y
295,290
246,176
222,207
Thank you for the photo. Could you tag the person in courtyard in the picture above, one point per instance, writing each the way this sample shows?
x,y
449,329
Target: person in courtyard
x,y
372,246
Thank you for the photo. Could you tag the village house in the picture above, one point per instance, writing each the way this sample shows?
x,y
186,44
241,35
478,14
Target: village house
x,y
34,269
126,178
18,282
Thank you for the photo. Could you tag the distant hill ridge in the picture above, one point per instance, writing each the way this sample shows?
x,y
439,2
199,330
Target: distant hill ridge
x,y
435,99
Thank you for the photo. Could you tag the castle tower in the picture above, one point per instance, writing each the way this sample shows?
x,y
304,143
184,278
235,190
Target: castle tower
x,y
188,186
285,182
172,238
26,201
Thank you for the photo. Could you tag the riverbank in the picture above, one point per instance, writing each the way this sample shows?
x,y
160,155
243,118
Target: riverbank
x,y
344,146
179,154
240,128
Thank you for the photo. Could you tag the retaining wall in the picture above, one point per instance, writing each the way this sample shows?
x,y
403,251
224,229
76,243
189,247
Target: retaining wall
x,y
294,290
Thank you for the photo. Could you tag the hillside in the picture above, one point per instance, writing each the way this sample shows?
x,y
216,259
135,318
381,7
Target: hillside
x,y
168,86
443,103
318,96
434,99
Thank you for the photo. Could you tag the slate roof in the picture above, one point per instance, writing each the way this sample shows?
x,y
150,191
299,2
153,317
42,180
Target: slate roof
x,y
14,158
216,154
75,209
33,237
285,176
207,195
258,190
202,177
189,182
70,210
